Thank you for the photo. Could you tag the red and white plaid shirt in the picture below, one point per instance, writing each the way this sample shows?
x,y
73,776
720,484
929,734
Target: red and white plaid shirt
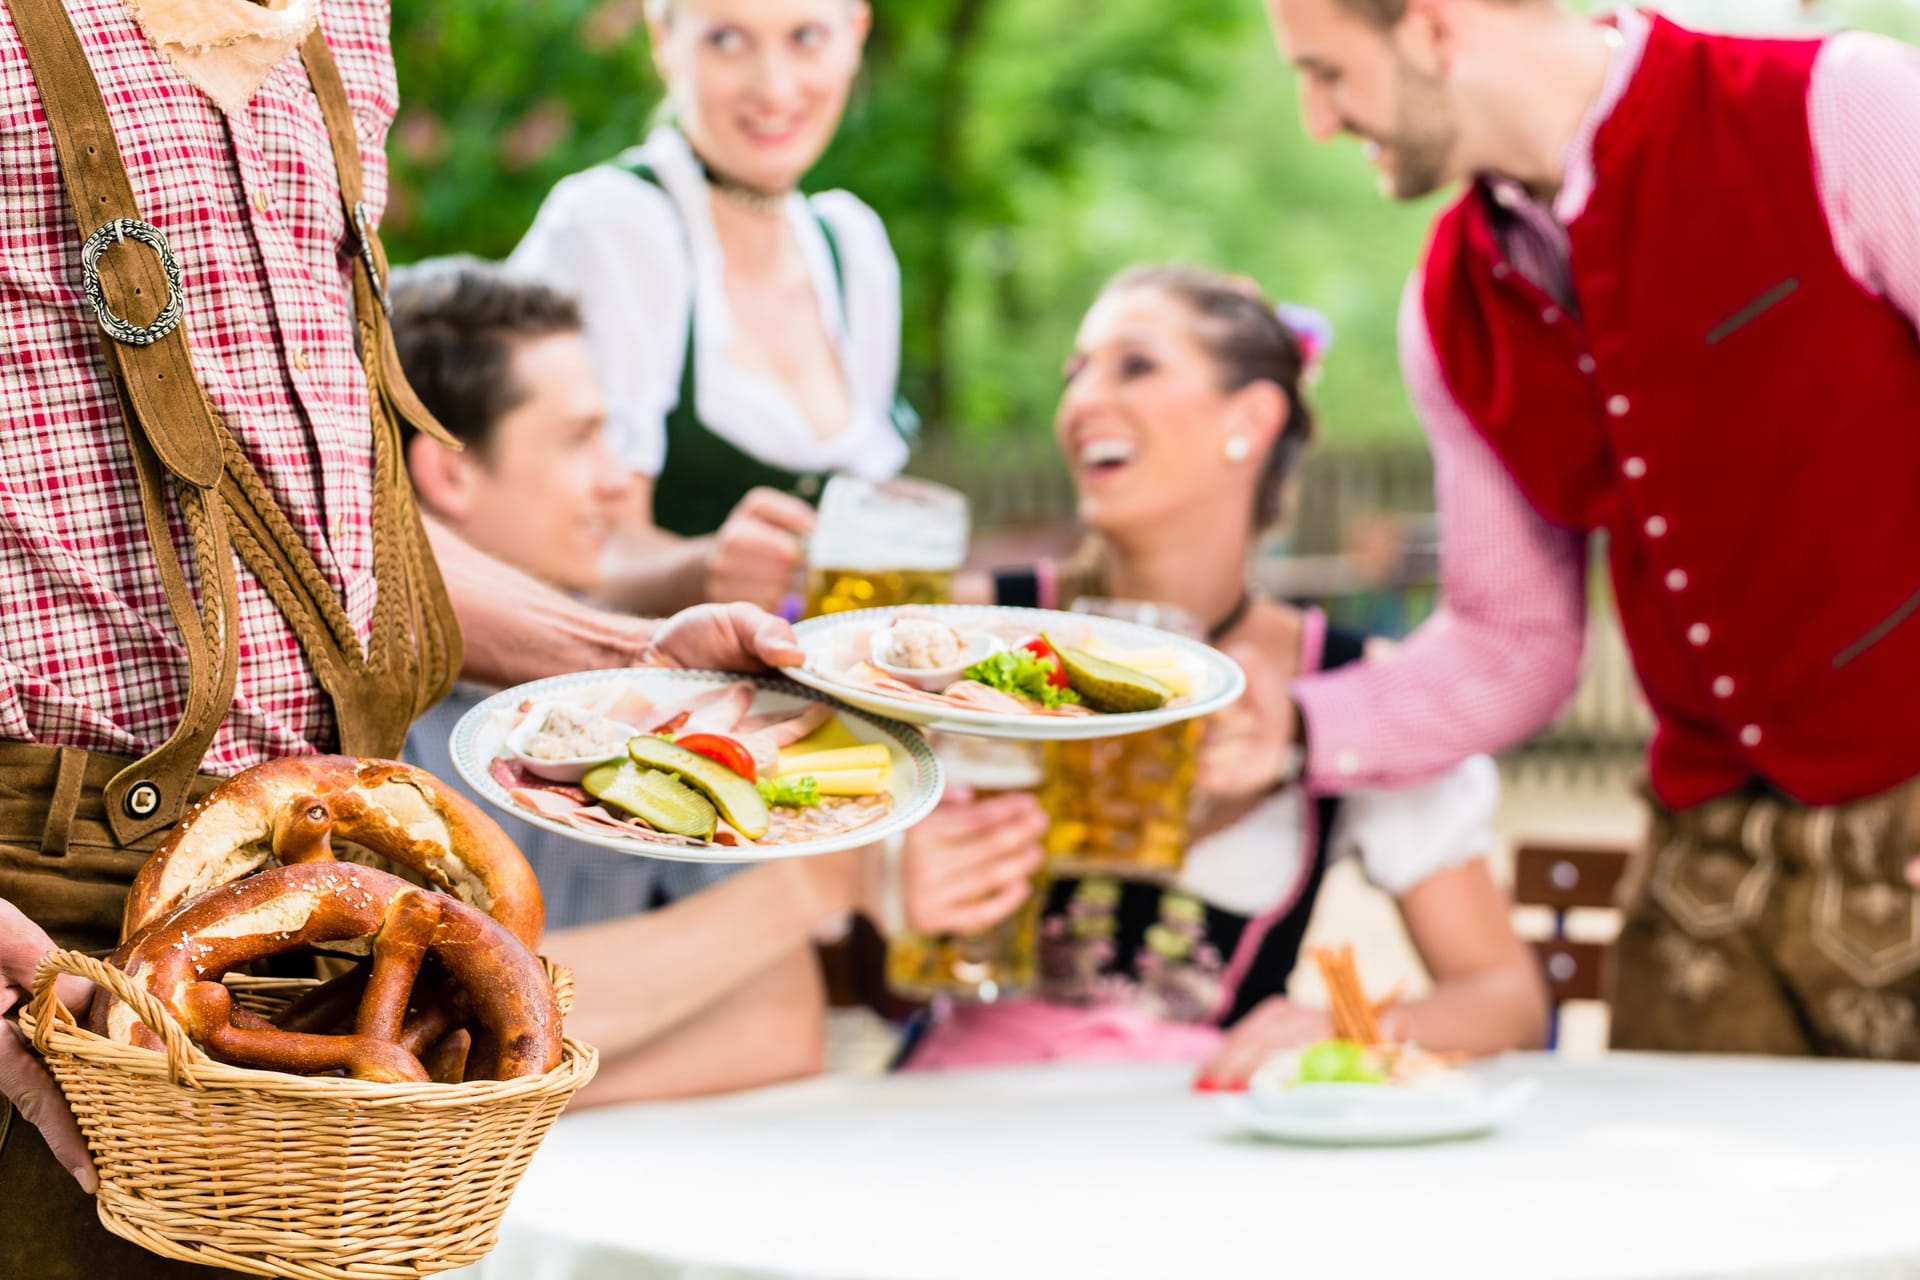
x,y
89,655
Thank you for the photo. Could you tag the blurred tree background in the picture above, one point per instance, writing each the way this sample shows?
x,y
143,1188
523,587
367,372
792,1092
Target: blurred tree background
x,y
1021,151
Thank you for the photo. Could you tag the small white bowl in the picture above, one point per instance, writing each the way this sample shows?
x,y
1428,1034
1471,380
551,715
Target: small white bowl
x,y
979,644
571,770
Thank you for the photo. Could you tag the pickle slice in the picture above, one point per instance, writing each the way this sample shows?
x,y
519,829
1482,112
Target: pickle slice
x,y
737,799
661,800
1108,686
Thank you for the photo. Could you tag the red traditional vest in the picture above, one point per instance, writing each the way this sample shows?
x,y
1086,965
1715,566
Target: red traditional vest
x,y
1733,408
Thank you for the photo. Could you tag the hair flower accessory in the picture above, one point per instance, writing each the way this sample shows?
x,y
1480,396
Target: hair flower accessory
x,y
1313,331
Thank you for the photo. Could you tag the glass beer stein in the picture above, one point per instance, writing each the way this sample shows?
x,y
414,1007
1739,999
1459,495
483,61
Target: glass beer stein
x,y
881,545
1119,805
1000,961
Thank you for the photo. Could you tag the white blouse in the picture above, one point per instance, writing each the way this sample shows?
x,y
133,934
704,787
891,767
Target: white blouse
x,y
640,259
1401,837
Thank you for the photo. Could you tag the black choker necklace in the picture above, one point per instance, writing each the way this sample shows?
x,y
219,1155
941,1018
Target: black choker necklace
x,y
752,199
1235,616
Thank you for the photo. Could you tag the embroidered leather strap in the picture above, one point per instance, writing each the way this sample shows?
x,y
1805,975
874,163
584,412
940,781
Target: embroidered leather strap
x,y
133,283
370,274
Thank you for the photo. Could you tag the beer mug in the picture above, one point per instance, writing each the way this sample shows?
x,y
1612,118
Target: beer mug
x,y
879,545
1001,961
1119,805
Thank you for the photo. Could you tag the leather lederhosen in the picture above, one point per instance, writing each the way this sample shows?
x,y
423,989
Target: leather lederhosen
x,y
1758,925
76,825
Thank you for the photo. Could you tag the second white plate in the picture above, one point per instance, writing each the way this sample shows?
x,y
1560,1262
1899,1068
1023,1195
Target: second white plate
x,y
829,640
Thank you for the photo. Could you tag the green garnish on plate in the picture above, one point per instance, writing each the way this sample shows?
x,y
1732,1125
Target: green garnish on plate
x,y
790,793
1022,674
1338,1062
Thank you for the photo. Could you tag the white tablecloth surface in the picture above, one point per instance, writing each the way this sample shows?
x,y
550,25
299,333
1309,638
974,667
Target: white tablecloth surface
x,y
1623,1166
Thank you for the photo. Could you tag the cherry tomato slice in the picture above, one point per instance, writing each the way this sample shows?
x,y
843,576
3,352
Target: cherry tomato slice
x,y
1056,670
728,751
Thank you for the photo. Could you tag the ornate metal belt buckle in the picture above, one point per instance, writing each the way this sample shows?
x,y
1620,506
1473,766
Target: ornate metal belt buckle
x,y
119,329
363,225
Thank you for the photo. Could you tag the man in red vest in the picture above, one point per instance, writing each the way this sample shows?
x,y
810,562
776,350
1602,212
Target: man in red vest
x,y
1675,303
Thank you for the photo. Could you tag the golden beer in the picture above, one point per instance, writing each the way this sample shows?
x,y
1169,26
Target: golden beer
x,y
880,546
1001,961
1119,805
981,966
839,590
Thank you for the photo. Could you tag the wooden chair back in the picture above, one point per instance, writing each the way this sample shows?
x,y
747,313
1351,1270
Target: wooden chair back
x,y
1563,878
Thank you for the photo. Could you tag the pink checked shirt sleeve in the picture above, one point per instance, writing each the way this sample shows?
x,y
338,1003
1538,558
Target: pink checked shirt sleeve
x,y
1502,653
1865,106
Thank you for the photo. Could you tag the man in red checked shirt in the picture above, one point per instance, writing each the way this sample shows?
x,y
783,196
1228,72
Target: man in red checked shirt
x,y
1676,303
208,547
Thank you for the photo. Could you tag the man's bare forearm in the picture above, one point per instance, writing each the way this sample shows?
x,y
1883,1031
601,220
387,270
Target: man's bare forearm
x,y
517,628
709,944
653,573
769,1029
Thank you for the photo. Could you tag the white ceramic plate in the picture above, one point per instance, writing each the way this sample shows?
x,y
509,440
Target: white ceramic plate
x,y
828,640
1379,1115
915,784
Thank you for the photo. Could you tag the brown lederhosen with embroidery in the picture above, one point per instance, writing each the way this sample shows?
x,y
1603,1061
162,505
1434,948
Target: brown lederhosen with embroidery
x,y
75,825
1763,926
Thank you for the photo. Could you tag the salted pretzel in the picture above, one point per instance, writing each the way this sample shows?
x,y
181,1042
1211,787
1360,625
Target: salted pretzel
x,y
181,959
299,809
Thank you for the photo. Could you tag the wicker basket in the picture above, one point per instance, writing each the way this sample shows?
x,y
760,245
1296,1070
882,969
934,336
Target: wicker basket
x,y
283,1175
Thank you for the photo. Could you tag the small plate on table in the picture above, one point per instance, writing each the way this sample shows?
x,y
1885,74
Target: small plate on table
x,y
838,645
1459,1106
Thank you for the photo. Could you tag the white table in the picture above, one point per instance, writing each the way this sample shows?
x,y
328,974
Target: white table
x,y
1624,1166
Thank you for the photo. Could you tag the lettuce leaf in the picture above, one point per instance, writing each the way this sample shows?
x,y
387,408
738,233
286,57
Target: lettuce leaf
x,y
1022,674
790,793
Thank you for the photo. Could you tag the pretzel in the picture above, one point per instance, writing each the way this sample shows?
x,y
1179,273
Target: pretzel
x,y
301,808
180,960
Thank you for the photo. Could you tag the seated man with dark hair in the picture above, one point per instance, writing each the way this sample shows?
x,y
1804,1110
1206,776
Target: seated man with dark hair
x,y
732,996
501,361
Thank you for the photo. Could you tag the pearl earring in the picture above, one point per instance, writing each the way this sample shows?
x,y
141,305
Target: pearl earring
x,y
1237,448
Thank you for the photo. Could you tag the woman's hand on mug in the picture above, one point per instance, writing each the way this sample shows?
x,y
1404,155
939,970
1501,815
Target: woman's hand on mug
x,y
757,551
23,1077
971,863
1246,749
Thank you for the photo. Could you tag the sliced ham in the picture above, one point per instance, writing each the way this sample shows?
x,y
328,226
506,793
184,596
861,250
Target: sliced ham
x,y
514,776
723,714
574,807
971,695
788,727
595,818
709,711
723,834
630,706
867,676
548,804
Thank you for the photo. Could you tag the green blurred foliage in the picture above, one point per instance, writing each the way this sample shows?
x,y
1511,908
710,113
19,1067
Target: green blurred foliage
x,y
498,101
1021,151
